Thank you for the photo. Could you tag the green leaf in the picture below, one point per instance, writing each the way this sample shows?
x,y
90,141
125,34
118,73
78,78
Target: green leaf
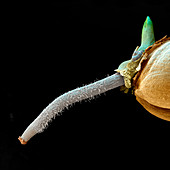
x,y
148,37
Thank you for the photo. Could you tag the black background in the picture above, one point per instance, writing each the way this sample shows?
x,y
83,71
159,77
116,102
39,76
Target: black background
x,y
51,48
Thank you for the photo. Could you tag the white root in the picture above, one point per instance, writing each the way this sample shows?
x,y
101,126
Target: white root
x,y
67,99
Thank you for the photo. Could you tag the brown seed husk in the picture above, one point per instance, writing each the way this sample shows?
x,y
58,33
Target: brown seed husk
x,y
152,82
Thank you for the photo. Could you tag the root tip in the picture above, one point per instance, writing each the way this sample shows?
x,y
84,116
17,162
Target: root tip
x,y
23,142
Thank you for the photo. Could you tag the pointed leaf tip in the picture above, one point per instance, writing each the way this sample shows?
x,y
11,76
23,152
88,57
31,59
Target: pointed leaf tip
x,y
148,18
149,21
